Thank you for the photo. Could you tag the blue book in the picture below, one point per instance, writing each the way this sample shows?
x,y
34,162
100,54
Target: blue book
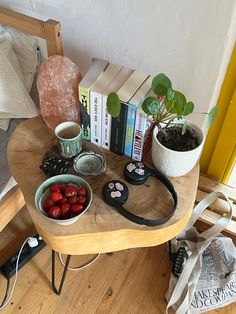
x,y
118,125
133,104
131,114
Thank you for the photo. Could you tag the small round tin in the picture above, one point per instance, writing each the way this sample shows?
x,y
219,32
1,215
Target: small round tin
x,y
89,163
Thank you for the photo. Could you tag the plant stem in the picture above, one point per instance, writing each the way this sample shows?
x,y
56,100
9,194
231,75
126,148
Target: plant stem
x,y
168,118
168,123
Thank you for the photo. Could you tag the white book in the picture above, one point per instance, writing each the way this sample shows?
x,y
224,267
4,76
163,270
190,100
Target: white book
x,y
96,101
115,85
127,91
95,70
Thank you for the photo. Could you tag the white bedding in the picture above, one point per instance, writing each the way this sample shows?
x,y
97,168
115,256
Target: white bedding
x,y
18,64
16,75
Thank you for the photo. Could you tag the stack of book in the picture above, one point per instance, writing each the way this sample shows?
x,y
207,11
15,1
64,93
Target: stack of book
x,y
125,134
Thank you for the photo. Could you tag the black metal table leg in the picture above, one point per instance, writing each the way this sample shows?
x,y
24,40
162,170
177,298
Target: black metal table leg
x,y
170,251
58,291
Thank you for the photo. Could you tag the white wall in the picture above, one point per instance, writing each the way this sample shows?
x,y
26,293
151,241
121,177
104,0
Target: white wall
x,y
189,40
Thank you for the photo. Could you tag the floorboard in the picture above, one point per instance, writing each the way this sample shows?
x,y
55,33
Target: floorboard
x,y
130,281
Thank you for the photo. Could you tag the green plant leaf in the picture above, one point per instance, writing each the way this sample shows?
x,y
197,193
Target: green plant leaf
x,y
170,94
180,98
113,105
184,127
179,102
160,84
169,106
178,108
151,106
211,116
188,108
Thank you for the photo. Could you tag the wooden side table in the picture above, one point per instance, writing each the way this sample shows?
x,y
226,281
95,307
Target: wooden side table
x,y
101,229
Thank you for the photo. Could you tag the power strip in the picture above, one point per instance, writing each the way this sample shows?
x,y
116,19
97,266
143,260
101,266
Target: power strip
x,y
8,269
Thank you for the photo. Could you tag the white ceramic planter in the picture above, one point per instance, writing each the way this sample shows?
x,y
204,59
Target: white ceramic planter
x,y
173,163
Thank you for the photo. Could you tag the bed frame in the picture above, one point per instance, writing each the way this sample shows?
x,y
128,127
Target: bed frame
x,y
49,30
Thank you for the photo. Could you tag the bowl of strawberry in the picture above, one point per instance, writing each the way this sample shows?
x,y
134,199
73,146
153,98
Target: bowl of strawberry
x,y
63,198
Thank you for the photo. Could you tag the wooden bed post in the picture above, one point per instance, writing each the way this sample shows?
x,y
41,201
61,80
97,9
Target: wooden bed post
x,y
53,37
49,30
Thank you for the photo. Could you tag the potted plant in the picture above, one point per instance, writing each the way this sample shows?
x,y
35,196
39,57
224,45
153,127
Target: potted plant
x,y
177,143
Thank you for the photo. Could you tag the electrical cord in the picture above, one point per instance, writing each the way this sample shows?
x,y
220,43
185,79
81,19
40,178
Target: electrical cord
x,y
14,284
86,264
6,292
5,303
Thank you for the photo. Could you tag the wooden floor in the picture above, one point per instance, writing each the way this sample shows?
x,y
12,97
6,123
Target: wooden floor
x,y
131,281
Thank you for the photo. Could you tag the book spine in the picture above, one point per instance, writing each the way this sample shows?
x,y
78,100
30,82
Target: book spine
x,y
95,109
129,131
85,113
106,124
148,141
139,133
118,131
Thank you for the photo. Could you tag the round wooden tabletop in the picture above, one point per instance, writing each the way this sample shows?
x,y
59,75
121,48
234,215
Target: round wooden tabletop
x,y
101,229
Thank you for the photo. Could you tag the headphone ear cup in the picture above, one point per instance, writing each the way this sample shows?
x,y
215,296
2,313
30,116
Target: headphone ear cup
x,y
115,192
136,172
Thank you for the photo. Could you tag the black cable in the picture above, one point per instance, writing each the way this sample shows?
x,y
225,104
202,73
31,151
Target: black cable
x,y
115,192
6,293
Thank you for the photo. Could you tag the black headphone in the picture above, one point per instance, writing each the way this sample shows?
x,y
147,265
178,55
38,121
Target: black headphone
x,y
115,193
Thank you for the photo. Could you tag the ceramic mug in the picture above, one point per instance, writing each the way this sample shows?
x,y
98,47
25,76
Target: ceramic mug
x,y
69,136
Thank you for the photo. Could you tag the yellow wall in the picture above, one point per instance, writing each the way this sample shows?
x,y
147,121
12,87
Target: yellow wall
x,y
219,146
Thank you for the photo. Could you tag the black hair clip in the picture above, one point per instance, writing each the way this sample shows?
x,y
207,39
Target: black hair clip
x,y
53,166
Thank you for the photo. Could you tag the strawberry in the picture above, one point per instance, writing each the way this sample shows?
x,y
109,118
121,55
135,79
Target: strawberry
x,y
54,212
81,200
72,200
70,191
47,204
56,196
82,192
55,187
65,209
63,200
63,187
76,209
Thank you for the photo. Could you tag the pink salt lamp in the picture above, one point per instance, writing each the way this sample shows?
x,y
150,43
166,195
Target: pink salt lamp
x,y
57,85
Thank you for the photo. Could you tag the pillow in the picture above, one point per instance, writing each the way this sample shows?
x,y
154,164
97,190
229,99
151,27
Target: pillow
x,y
4,124
26,49
15,101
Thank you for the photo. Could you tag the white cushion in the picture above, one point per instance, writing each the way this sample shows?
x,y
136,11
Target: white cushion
x,y
25,47
15,101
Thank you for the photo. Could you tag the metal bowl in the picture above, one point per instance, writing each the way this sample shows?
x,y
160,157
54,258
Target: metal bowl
x,y
63,178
